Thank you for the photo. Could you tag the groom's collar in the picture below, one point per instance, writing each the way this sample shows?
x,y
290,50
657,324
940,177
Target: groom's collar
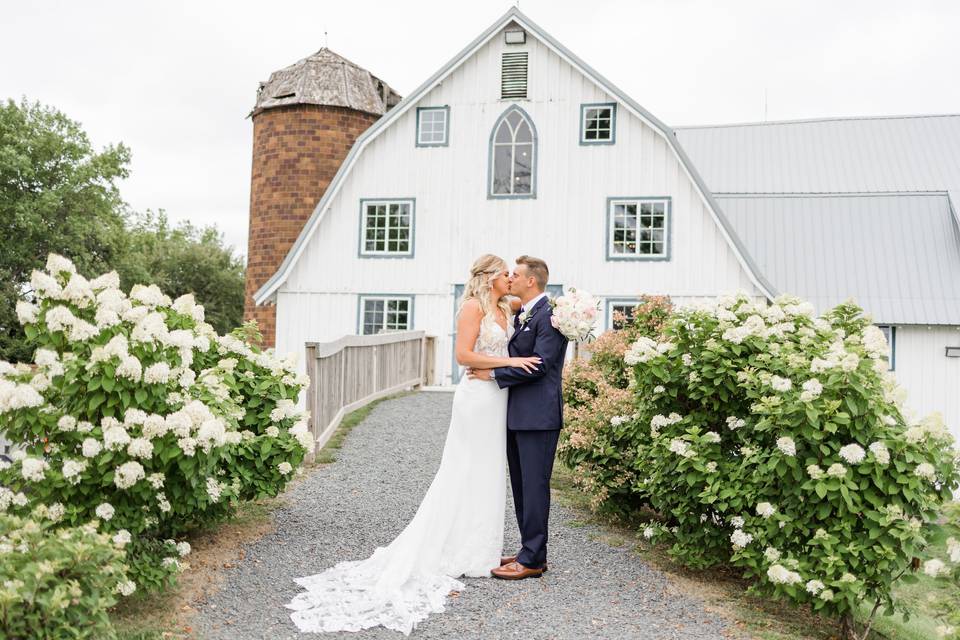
x,y
534,302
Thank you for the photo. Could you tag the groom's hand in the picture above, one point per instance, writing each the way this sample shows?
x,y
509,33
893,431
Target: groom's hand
x,y
478,374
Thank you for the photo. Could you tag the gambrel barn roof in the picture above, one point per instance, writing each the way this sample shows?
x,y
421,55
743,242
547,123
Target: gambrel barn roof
x,y
845,207
514,15
825,209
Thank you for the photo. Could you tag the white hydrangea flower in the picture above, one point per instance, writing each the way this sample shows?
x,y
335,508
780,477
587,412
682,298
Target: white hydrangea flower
x,y
681,448
91,448
787,446
814,471
737,522
284,468
149,295
616,421
59,318
213,489
157,373
128,474
140,448
926,471
183,548
156,480
880,452
814,587
853,453
771,554
72,470
130,368
274,432
711,436
115,437
78,291
44,285
711,467
765,509
649,532
67,423
659,389
27,312
126,588
188,446
57,264
780,384
33,469
122,538
778,574
837,470
734,423
105,510
740,539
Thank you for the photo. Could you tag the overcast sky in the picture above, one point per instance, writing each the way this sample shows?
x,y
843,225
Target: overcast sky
x,y
175,80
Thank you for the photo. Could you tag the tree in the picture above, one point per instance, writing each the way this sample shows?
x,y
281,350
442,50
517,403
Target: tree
x,y
184,259
57,194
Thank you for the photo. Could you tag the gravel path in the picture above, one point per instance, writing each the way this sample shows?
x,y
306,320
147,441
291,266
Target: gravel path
x,y
344,510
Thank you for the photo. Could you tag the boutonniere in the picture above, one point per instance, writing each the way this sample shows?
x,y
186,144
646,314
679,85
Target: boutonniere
x,y
524,317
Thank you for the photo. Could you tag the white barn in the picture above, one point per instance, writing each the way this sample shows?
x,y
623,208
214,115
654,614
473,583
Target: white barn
x,y
516,146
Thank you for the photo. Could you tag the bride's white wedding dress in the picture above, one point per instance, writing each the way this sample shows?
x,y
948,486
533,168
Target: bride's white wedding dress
x,y
457,530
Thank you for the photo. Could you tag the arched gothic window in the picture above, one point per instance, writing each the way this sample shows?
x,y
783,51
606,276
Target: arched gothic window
x,y
513,149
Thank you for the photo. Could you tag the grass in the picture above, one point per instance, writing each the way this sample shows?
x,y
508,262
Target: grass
x,y
166,615
726,593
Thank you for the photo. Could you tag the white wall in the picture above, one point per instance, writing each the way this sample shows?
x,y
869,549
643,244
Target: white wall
x,y
931,379
455,221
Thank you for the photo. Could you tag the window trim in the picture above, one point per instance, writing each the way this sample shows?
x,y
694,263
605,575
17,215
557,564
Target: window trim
x,y
362,297
361,253
893,345
446,127
668,228
611,303
613,123
533,165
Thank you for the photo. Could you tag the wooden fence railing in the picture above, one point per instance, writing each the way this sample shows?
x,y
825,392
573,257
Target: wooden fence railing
x,y
356,370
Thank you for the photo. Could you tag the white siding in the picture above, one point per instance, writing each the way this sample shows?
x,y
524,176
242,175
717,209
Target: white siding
x,y
455,221
931,379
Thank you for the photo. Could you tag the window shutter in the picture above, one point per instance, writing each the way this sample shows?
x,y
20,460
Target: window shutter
x,y
513,75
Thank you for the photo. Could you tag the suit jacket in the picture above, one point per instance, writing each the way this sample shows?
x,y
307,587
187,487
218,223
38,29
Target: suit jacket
x,y
535,402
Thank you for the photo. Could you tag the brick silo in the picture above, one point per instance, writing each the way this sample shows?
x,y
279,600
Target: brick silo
x,y
306,118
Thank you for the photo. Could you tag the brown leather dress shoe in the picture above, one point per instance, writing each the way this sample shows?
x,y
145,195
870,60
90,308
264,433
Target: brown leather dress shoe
x,y
515,571
508,559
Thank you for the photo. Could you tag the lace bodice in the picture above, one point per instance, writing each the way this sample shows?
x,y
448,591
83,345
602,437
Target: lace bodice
x,y
492,339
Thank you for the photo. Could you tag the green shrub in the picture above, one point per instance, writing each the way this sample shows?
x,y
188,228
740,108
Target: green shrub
x,y
131,415
56,583
775,441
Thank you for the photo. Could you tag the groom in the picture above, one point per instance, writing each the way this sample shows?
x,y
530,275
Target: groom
x,y
534,415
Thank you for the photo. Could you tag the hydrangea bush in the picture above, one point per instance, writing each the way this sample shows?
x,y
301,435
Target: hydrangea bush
x,y
132,414
58,583
777,441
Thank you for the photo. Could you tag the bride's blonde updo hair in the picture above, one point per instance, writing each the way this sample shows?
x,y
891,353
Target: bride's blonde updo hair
x,y
482,273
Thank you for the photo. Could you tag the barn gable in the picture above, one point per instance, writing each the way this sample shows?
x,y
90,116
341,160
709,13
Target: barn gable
x,y
723,226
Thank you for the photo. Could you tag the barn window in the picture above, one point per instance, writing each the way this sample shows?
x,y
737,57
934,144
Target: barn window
x,y
386,228
621,312
433,126
598,123
890,333
381,314
513,148
638,229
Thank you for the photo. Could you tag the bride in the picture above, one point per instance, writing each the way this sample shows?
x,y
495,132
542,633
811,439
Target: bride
x,y
458,528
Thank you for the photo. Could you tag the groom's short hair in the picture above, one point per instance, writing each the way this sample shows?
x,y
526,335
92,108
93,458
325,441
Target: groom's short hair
x,y
536,268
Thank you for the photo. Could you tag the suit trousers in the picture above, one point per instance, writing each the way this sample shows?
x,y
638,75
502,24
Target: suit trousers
x,y
530,457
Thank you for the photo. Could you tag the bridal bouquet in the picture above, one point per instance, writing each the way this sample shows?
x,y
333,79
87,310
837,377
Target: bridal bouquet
x,y
574,314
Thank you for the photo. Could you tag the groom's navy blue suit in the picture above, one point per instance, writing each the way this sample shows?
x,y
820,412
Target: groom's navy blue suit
x,y
534,419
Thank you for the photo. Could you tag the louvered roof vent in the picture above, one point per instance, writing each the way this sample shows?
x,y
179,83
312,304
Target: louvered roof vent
x,y
513,75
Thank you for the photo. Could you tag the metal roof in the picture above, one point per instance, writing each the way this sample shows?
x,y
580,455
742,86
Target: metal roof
x,y
326,78
897,255
849,220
